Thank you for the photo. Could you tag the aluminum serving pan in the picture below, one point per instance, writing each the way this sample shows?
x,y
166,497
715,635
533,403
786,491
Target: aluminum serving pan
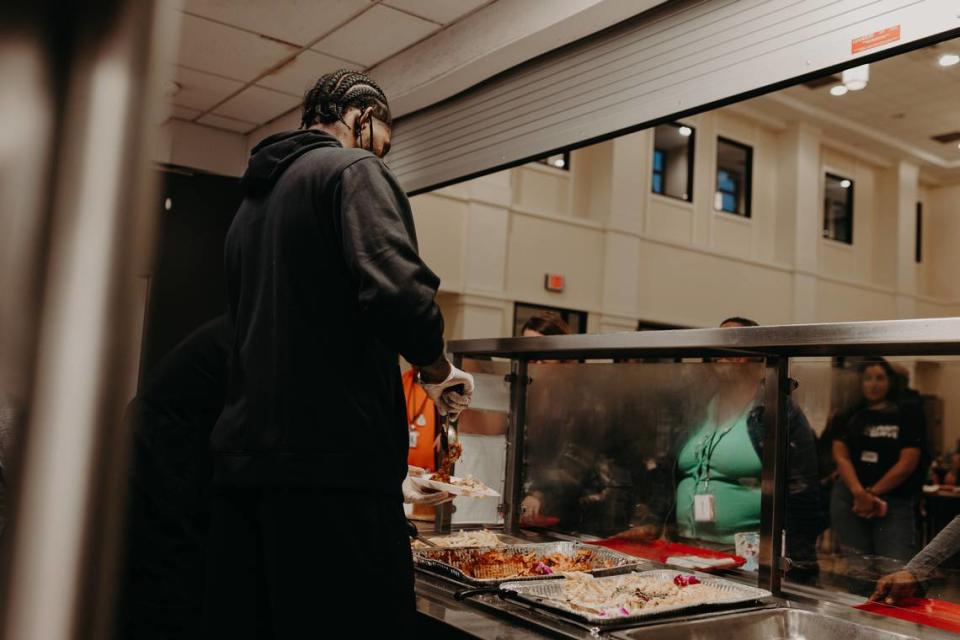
x,y
454,563
550,595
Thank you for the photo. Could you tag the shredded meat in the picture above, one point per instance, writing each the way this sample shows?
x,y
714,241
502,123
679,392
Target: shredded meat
x,y
446,465
506,564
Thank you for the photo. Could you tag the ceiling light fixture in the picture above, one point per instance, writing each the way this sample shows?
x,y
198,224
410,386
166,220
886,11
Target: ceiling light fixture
x,y
685,131
856,79
845,184
559,163
838,90
949,59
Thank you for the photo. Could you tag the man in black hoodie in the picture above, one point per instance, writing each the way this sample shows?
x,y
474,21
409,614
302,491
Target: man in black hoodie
x,y
325,288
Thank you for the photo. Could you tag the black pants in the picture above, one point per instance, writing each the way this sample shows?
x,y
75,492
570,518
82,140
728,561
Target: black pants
x,y
307,563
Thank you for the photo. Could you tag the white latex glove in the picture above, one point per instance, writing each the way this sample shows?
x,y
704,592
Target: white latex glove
x,y
447,401
416,495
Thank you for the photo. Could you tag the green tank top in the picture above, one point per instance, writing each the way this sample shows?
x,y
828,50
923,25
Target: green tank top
x,y
719,460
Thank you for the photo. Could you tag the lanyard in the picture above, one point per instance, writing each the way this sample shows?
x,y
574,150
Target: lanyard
x,y
408,391
709,443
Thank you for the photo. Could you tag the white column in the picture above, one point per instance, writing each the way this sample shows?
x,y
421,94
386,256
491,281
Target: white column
x,y
799,223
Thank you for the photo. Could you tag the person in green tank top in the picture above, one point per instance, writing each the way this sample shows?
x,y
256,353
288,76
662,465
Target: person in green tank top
x,y
718,465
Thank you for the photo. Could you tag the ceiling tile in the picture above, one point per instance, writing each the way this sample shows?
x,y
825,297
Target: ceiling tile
x,y
258,105
200,90
376,34
226,51
443,12
302,73
296,21
230,124
183,113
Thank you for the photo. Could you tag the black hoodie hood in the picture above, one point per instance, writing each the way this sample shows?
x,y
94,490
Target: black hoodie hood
x,y
272,155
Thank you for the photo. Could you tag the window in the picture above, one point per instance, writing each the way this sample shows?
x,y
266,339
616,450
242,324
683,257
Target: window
x,y
673,161
557,161
523,312
838,208
734,177
918,249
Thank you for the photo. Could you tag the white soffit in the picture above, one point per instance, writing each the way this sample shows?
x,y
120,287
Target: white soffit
x,y
677,58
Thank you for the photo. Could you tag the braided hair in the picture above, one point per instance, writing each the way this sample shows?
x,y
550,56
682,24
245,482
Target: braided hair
x,y
334,93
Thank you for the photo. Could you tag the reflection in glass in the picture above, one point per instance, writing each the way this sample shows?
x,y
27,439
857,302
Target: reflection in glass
x,y
645,450
900,539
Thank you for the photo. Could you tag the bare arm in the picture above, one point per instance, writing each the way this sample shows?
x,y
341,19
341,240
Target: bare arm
x,y
841,455
898,473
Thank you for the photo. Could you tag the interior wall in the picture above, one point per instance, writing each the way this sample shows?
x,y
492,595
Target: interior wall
x,y
630,254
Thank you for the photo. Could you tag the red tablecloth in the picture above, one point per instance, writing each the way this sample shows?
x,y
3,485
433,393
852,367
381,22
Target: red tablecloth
x,y
660,550
927,611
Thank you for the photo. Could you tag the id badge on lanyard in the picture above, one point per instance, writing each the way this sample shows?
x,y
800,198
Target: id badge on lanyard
x,y
704,508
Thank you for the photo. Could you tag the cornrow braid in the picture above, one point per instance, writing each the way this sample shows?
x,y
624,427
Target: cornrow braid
x,y
334,93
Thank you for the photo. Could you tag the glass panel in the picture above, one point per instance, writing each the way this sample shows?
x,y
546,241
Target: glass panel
x,y
673,160
838,208
483,436
734,162
635,446
888,463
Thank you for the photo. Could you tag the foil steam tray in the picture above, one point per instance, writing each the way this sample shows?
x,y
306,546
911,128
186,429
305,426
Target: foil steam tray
x,y
550,595
453,562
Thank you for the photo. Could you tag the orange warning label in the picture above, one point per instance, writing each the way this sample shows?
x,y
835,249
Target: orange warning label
x,y
875,39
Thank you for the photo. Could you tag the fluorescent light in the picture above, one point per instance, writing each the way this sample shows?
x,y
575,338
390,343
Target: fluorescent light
x,y
856,79
845,184
685,131
949,59
838,90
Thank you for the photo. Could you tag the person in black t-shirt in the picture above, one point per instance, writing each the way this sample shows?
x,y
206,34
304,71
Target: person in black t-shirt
x,y
878,448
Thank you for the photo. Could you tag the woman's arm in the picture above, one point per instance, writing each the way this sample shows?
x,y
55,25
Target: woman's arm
x,y
898,473
865,504
944,545
841,455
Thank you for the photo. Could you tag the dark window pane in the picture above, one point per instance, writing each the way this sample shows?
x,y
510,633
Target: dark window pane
x,y
673,146
838,208
734,175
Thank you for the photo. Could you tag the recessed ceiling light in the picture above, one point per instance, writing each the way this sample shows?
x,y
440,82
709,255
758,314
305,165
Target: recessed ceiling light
x,y
845,184
685,131
838,90
949,59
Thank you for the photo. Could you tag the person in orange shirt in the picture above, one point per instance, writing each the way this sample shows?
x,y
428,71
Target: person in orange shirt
x,y
422,423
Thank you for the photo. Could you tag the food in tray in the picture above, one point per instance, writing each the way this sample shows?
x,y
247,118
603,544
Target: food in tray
x,y
505,564
462,539
632,593
469,486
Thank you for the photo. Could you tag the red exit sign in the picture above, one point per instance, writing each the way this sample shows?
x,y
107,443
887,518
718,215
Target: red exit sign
x,y
554,282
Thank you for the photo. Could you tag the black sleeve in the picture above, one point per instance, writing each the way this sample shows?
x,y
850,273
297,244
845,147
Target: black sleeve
x,y
396,289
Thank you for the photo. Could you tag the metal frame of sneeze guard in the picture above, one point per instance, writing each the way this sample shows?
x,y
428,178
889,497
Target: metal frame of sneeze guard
x,y
775,344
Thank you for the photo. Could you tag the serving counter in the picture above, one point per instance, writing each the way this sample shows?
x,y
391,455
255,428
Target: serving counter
x,y
591,419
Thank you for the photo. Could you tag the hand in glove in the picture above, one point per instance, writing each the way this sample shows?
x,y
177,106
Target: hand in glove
x,y
448,400
416,495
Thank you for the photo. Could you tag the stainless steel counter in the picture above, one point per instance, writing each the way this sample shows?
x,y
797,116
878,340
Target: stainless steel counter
x,y
802,616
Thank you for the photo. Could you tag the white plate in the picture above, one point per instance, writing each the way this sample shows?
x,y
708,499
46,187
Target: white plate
x,y
455,489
